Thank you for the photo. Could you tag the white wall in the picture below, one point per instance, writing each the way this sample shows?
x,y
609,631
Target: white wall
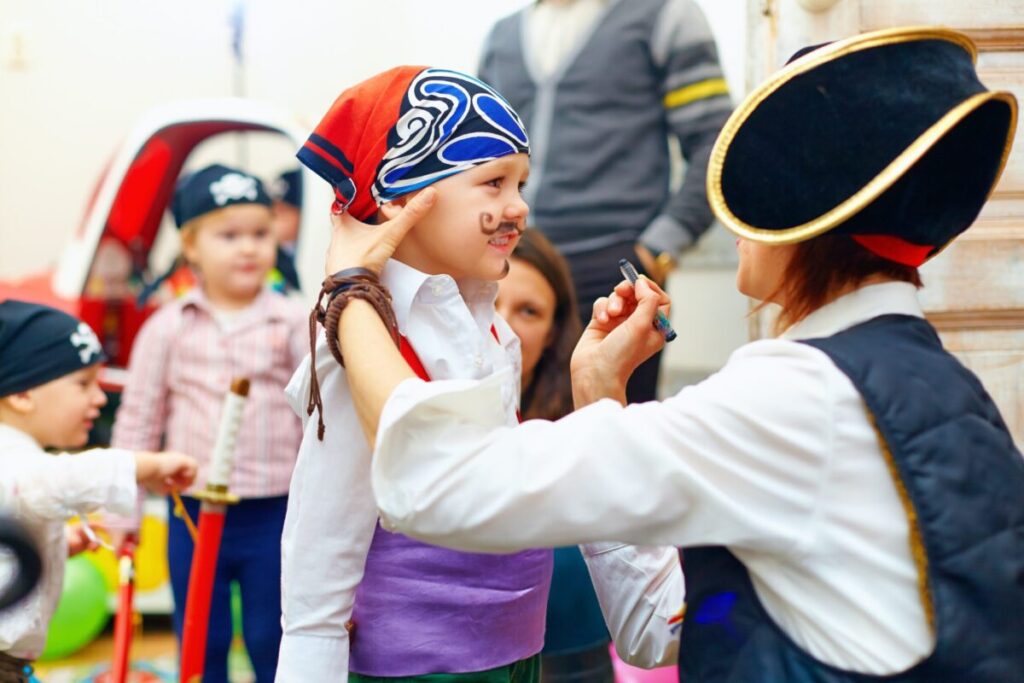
x,y
75,75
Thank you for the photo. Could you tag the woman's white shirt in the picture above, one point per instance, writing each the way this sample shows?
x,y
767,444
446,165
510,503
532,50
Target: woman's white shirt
x,y
774,457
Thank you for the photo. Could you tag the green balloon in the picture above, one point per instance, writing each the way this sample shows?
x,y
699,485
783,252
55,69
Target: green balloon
x,y
82,611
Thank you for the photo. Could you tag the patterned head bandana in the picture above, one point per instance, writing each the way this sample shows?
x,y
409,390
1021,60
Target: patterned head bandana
x,y
405,129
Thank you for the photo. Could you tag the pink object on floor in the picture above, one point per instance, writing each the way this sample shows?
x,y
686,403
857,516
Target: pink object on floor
x,y
625,673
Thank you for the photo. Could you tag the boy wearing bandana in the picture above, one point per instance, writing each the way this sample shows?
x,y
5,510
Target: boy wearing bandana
x,y
358,600
49,396
414,609
231,325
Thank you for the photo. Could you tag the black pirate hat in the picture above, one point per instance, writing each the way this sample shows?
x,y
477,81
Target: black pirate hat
x,y
887,136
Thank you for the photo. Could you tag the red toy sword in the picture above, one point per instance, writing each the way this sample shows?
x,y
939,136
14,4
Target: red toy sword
x,y
124,621
216,498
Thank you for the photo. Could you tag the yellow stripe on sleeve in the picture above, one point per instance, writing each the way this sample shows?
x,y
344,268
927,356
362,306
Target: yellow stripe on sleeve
x,y
696,91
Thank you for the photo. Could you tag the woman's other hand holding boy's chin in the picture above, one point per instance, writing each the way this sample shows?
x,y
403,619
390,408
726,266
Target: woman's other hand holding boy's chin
x,y
355,244
163,472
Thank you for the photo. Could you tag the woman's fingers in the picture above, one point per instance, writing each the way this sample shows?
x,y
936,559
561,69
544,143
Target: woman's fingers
x,y
647,288
600,313
355,244
415,209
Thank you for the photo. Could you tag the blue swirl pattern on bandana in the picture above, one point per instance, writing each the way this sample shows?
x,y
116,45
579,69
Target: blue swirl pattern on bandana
x,y
448,123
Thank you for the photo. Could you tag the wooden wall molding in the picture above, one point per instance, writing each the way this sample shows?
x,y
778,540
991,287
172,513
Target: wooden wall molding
x,y
997,39
1010,318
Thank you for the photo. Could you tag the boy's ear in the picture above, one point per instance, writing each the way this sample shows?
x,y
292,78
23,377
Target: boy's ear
x,y
390,209
21,402
188,240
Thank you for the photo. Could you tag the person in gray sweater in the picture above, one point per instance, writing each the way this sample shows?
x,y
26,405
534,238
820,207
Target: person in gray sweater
x,y
601,86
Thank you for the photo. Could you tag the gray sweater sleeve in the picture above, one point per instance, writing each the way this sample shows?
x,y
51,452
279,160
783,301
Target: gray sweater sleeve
x,y
697,104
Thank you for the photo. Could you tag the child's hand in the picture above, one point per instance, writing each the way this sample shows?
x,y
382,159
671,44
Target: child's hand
x,y
355,244
79,540
162,472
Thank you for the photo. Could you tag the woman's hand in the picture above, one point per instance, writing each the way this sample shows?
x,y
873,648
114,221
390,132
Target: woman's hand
x,y
355,244
620,336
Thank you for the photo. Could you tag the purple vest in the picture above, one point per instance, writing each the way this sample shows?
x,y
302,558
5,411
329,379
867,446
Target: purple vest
x,y
423,609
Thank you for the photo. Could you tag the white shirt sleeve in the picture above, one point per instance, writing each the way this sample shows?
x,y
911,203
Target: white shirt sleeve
x,y
327,533
640,589
735,460
55,488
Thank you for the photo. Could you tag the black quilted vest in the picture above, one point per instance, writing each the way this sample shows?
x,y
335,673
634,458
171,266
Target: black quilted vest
x,y
964,478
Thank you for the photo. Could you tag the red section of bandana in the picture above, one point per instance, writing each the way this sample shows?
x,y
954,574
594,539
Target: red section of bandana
x,y
358,124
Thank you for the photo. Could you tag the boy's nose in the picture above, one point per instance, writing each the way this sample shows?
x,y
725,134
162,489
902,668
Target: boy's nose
x,y
517,209
99,399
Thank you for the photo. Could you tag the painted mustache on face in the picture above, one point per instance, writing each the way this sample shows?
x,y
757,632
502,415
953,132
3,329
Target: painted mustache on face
x,y
489,226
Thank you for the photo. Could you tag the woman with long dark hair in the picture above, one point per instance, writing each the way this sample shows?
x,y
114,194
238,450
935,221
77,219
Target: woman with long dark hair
x,y
537,299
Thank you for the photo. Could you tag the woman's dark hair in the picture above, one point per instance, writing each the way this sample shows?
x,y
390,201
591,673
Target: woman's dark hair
x,y
549,395
824,264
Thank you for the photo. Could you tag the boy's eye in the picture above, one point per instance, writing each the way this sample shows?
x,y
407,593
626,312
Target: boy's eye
x,y
522,186
496,182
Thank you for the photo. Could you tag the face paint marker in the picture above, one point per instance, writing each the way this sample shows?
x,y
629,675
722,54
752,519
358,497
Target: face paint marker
x,y
660,321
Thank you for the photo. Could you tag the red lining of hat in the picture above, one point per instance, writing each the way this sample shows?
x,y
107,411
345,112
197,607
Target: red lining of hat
x,y
895,249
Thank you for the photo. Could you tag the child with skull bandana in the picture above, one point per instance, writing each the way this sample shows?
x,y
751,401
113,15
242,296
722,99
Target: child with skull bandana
x,y
232,324
49,397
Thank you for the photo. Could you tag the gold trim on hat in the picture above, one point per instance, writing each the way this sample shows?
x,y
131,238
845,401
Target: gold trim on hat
x,y
889,175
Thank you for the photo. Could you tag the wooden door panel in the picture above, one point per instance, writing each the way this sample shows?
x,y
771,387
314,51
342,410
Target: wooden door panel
x,y
974,290
1005,71
976,275
995,356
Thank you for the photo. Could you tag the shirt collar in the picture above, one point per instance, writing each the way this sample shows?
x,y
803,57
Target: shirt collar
x,y
13,437
409,285
266,306
860,305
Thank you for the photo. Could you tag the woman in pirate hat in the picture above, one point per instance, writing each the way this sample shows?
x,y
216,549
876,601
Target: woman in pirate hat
x,y
847,497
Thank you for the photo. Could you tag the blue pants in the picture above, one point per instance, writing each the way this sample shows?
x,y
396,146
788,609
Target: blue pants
x,y
250,553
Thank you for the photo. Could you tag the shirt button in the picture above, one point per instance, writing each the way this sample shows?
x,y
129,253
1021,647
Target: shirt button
x,y
478,360
438,287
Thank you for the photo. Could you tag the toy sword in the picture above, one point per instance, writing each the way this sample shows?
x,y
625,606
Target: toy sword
x,y
125,618
215,499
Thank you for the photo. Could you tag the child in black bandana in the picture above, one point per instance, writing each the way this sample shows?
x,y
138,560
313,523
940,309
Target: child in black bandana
x,y
49,396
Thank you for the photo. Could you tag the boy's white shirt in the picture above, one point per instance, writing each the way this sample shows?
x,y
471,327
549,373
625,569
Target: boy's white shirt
x,y
44,491
332,514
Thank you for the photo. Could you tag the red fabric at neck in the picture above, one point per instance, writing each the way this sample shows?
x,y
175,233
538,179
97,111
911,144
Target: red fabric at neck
x,y
410,356
895,249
